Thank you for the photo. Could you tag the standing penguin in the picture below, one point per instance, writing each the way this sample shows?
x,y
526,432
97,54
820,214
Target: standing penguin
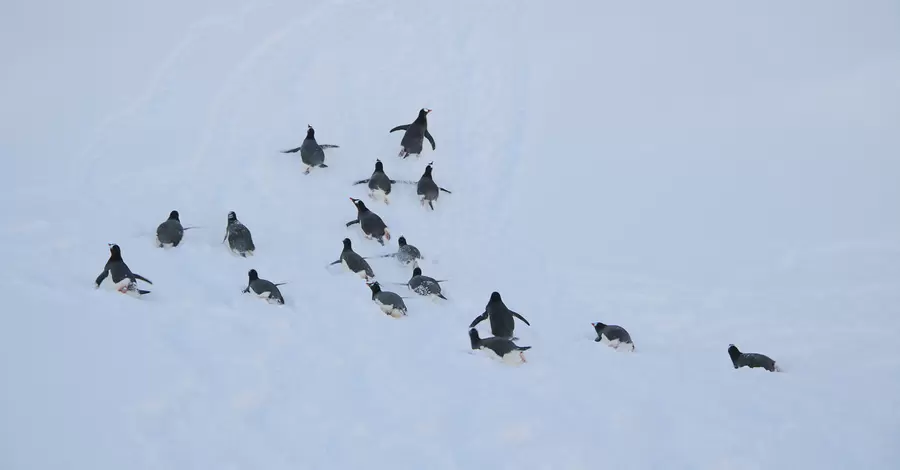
x,y
170,232
751,360
121,276
379,183
389,302
613,334
415,132
369,222
354,262
499,346
427,189
311,152
424,285
502,322
263,288
238,235
406,253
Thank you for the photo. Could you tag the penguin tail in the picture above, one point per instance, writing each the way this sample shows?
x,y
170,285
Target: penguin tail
x,y
143,292
430,205
322,165
442,296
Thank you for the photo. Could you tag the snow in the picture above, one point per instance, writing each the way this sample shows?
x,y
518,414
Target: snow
x,y
701,173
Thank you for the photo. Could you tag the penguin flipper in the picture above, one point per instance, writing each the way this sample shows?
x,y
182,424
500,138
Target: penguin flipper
x,y
400,128
328,146
430,139
444,190
101,277
291,150
363,181
523,348
138,276
430,205
478,319
442,296
334,263
352,222
322,165
520,317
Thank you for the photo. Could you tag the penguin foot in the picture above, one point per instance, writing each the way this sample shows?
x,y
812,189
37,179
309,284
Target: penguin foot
x,y
522,356
306,172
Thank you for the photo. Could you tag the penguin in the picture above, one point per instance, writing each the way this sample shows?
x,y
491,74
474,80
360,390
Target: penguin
x,y
389,302
238,235
412,139
379,183
369,222
615,335
427,189
311,152
502,322
751,360
406,253
263,288
121,276
424,285
355,263
170,232
499,346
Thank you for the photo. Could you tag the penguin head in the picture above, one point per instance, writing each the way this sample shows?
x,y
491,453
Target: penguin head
x,y
379,166
428,170
598,327
495,297
347,244
232,217
310,132
422,113
733,352
173,215
474,338
376,288
401,241
360,206
115,253
253,275
417,271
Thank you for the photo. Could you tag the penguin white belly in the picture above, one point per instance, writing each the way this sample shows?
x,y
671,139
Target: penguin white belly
x,y
514,358
616,344
390,310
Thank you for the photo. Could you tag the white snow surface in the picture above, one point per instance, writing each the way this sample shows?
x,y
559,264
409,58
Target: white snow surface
x,y
699,172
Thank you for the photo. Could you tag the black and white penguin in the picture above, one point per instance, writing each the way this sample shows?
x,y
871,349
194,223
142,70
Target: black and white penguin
x,y
311,152
751,360
415,132
502,347
427,189
502,321
263,288
424,285
406,253
354,262
379,183
615,336
238,235
389,302
122,278
369,222
170,232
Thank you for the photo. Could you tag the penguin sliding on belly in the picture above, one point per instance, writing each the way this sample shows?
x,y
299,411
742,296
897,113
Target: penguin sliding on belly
x,y
354,262
751,360
615,336
389,302
411,142
263,288
369,222
121,276
379,183
170,232
406,253
240,241
503,348
311,152
424,285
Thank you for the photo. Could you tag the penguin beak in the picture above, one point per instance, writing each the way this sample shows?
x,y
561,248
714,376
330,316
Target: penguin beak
x,y
427,110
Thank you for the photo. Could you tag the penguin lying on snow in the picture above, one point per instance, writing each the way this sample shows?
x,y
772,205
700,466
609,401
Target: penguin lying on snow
x,y
424,285
389,302
427,189
502,322
502,347
239,239
614,335
406,253
311,152
354,262
379,183
122,278
171,231
263,288
412,138
369,222
751,360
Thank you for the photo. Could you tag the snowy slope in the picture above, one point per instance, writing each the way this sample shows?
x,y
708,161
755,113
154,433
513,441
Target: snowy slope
x,y
700,172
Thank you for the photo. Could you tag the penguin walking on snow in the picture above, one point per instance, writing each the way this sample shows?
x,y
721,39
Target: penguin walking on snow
x,y
427,189
379,183
615,336
263,288
751,360
502,321
238,235
415,132
389,302
369,222
406,253
502,347
354,262
424,285
311,152
170,232
121,276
